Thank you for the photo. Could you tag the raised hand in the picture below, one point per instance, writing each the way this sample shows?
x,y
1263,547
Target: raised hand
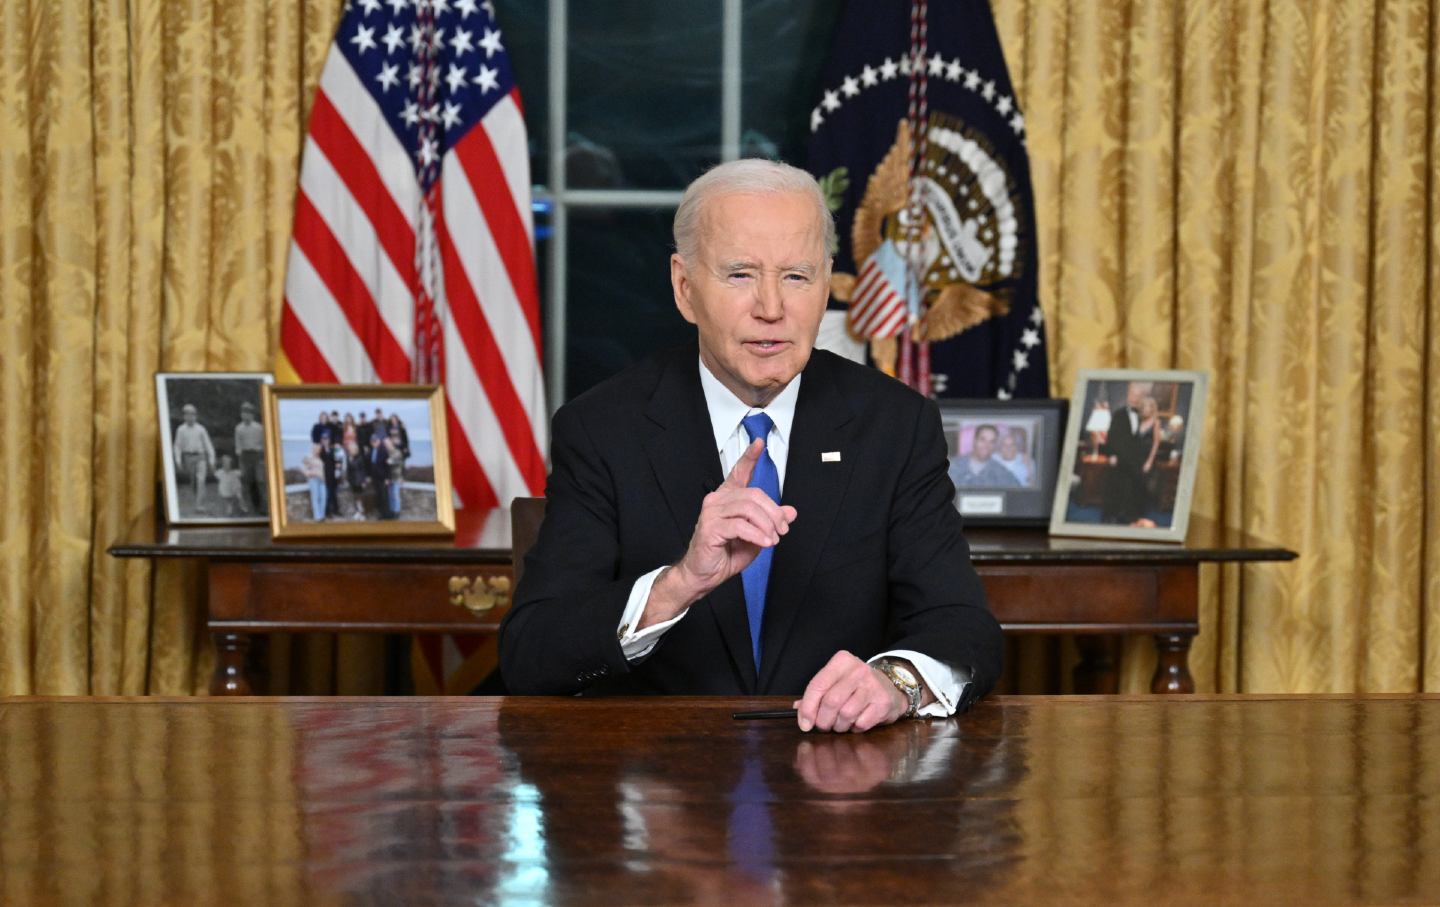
x,y
735,523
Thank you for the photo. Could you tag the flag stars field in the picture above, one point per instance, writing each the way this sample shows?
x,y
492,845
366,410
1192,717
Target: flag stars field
x,y
364,39
491,42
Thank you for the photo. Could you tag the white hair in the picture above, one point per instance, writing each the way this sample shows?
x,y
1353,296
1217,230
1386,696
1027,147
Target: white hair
x,y
750,176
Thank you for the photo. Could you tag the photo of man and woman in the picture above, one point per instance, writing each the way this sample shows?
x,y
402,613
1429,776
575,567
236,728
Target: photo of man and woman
x,y
214,447
994,452
351,460
1129,453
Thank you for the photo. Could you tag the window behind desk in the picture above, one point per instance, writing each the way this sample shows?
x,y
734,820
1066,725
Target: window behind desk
x,y
626,103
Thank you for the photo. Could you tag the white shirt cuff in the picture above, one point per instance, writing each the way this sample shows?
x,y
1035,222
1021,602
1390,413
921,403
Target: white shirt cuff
x,y
946,682
637,644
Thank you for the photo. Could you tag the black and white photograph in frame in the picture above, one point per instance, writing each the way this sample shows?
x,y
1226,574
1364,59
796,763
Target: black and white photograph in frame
x,y
1131,451
212,441
1004,456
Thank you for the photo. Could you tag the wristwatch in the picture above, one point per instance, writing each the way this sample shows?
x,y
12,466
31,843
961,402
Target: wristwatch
x,y
905,681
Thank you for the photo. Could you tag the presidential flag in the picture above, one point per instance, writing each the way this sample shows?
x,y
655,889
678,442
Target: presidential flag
x,y
919,143
413,255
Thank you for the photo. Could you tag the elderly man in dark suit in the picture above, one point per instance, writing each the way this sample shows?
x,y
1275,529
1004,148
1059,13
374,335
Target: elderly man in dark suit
x,y
749,515
1125,498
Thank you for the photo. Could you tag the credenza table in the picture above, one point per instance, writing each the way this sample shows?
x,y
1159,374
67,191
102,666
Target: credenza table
x,y
1036,583
1199,800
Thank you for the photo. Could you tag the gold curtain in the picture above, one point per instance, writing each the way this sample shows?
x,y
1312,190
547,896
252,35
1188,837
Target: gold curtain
x,y
1241,186
1250,188
148,154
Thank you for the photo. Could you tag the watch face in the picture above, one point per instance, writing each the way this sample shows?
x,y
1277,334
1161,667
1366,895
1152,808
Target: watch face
x,y
904,675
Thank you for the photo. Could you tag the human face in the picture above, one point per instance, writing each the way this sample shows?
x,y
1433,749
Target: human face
x,y
984,444
1134,393
1008,448
756,291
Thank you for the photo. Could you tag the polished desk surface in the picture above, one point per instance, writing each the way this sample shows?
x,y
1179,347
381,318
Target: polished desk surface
x,y
484,536
1113,800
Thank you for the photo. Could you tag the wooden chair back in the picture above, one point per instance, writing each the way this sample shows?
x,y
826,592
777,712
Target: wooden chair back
x,y
525,517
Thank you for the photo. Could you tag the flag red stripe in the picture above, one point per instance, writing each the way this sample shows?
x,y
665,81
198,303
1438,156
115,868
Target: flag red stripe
x,y
357,171
878,306
891,325
330,262
468,476
482,169
865,308
302,352
484,353
867,279
875,325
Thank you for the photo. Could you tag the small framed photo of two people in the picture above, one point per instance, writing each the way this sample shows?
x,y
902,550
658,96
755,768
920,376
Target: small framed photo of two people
x,y
1130,454
358,460
1003,458
212,443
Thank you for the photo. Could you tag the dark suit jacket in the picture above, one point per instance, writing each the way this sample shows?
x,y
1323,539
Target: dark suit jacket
x,y
875,559
1125,489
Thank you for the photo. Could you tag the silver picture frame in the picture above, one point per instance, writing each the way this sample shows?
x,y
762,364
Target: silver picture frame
x,y
1132,446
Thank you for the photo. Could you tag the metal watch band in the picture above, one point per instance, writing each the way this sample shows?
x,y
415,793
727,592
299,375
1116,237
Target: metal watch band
x,y
910,687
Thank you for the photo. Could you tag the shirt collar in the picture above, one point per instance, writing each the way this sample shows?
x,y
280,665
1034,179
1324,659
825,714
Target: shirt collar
x,y
727,410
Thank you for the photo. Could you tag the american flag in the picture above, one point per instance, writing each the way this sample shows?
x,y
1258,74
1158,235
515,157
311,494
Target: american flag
x,y
412,258
879,306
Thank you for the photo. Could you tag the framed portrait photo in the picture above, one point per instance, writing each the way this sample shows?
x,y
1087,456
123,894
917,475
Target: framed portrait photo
x,y
212,446
358,460
1004,456
1131,449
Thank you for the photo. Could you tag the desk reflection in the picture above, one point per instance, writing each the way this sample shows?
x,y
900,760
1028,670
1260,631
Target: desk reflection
x,y
1090,800
701,811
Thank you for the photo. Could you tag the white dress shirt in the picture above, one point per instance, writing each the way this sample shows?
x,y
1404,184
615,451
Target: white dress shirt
x,y
727,413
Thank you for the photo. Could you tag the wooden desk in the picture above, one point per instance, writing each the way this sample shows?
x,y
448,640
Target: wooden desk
x,y
1036,584
1073,800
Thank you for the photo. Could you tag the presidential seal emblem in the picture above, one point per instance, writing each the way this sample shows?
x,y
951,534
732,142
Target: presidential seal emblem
x,y
937,251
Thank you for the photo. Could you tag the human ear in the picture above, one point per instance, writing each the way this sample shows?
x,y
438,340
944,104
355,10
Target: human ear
x,y
680,284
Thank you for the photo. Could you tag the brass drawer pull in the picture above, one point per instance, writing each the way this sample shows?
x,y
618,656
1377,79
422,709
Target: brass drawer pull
x,y
479,594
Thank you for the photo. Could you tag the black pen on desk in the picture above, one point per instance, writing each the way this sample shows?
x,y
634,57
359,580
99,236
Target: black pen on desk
x,y
764,713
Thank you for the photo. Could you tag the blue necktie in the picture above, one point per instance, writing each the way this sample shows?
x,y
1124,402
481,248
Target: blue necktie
x,y
756,577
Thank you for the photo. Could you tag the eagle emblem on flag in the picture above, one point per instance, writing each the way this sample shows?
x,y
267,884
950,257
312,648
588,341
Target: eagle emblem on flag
x,y
966,242
918,142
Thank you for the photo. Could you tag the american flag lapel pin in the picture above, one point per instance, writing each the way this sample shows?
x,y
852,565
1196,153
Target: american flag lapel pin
x,y
830,456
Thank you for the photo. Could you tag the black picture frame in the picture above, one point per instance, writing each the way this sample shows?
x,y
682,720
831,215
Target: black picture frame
x,y
1022,494
209,490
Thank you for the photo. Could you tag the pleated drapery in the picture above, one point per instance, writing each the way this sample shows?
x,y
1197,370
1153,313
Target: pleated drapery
x,y
148,154
1243,186
1250,188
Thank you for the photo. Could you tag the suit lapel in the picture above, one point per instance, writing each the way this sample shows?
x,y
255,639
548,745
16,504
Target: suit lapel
x,y
815,489
687,467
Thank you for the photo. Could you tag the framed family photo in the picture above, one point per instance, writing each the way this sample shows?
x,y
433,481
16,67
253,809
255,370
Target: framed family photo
x,y
212,443
1004,456
358,460
1131,450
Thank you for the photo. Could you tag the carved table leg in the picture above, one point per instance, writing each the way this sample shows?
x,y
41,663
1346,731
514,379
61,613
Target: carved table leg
x,y
1095,673
1172,666
230,678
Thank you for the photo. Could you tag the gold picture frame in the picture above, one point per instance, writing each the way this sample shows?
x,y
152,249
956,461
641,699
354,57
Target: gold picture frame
x,y
366,476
